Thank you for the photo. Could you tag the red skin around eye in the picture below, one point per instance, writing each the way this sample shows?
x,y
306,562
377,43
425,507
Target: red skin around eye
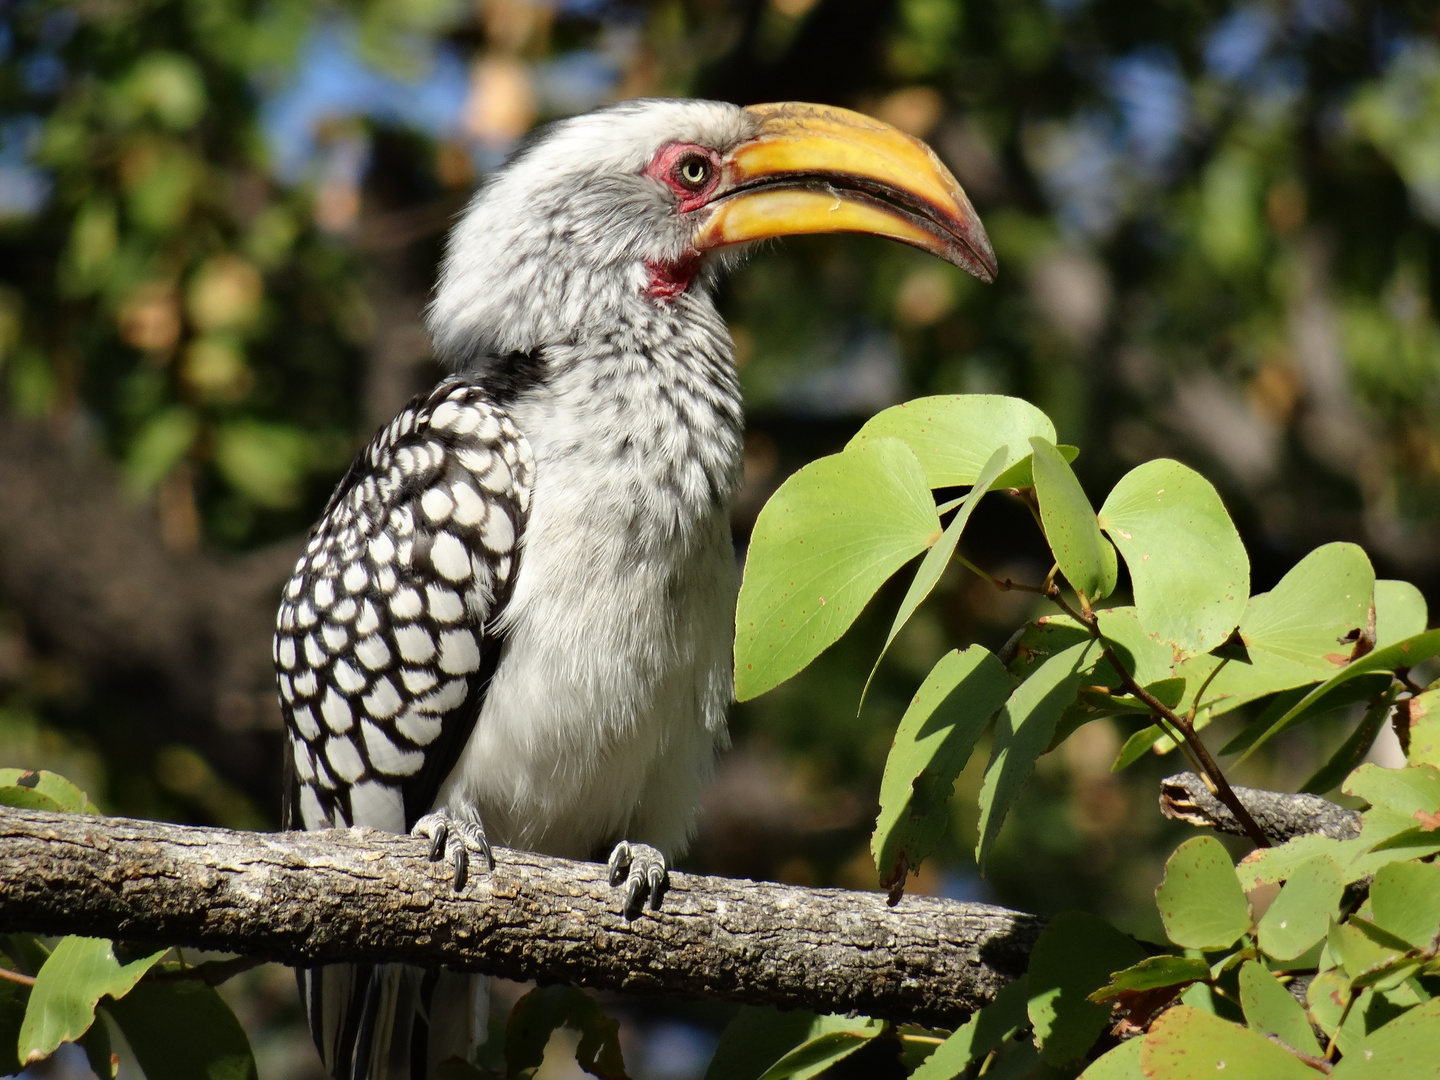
x,y
666,168
669,280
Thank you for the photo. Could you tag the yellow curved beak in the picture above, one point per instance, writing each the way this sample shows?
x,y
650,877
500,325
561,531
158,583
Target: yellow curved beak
x,y
821,169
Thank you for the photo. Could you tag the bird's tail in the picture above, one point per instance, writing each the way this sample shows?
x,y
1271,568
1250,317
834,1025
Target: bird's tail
x,y
393,1021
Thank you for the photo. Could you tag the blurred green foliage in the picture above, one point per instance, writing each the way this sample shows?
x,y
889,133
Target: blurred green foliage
x,y
1218,227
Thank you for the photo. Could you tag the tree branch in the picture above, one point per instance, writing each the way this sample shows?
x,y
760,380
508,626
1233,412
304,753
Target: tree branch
x,y
306,898
1280,816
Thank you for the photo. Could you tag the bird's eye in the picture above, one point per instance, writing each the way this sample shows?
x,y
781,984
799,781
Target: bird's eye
x,y
694,171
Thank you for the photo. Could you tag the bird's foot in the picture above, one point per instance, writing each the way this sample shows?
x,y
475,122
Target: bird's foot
x,y
642,868
462,837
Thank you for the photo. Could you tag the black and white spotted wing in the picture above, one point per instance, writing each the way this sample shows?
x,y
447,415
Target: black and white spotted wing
x,y
381,644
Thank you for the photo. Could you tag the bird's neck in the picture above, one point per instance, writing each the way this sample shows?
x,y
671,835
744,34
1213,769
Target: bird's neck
x,y
648,415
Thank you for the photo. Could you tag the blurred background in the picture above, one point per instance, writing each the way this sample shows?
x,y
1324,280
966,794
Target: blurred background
x,y
1218,228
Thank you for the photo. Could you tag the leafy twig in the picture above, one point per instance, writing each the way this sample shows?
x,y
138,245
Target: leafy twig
x,y
211,972
1202,759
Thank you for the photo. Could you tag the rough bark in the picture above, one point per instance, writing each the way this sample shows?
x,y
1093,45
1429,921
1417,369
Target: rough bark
x,y
305,898
1280,816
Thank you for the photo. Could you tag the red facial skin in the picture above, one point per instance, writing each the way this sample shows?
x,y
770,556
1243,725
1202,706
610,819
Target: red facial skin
x,y
669,280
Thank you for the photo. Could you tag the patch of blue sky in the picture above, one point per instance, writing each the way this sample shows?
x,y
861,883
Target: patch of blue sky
x,y
1237,46
42,74
331,81
574,82
1082,168
24,189
1154,102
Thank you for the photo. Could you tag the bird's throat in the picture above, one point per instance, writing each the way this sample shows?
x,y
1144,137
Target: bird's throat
x,y
669,279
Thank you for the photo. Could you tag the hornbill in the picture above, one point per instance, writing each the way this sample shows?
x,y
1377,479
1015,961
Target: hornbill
x,y
518,605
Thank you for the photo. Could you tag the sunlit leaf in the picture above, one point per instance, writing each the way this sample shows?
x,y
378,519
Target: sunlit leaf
x,y
1119,1063
1022,732
827,539
1404,653
1200,900
1082,553
1189,569
1400,611
65,795
953,436
829,1039
1271,1009
934,740
1405,898
755,1039
1074,956
1300,914
1425,729
1402,1049
938,557
1152,973
1415,788
1189,1044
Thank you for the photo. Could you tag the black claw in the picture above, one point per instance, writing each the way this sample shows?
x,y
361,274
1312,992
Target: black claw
x,y
461,858
634,897
485,850
437,845
657,887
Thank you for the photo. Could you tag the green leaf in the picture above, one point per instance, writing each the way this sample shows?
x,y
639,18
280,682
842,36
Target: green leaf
x,y
830,1039
1357,952
938,557
537,1015
1404,653
1272,1010
264,462
934,740
1304,619
1152,973
54,787
1300,914
1083,555
1425,729
1146,659
1415,788
158,448
827,539
1400,612
755,1039
1022,732
182,1029
1353,750
1074,956
1403,1049
1405,898
1189,1044
1022,473
986,1029
75,977
1120,1063
1200,900
1327,998
953,436
1190,573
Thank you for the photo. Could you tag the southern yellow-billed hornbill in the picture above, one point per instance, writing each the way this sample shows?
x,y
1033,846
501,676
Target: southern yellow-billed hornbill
x,y
517,608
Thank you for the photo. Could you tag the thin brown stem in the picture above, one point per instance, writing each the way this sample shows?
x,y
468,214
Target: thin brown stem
x,y
1204,763
16,977
1006,585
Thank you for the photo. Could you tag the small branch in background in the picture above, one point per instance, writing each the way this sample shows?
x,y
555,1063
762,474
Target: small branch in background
x,y
16,977
1185,797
